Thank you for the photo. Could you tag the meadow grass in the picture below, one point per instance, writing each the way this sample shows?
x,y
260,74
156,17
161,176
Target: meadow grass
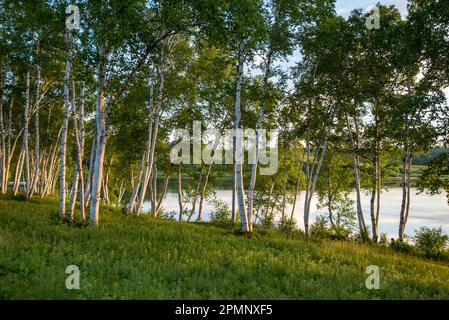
x,y
144,258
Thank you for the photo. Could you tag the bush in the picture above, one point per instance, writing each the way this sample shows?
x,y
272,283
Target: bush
x,y
431,239
320,229
340,233
287,226
221,212
383,239
401,246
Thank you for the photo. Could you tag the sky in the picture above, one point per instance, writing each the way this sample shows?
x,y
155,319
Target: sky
x,y
344,7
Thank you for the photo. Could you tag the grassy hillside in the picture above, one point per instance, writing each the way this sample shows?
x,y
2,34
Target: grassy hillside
x,y
146,259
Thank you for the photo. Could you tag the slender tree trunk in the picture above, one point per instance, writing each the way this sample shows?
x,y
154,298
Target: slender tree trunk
x,y
181,210
405,163
73,194
3,176
312,188
154,189
404,198
373,199
252,183
409,185
36,125
79,141
53,167
19,170
270,193
151,154
121,192
246,224
9,149
284,195
145,155
134,193
203,192
26,134
100,121
298,184
91,170
329,207
378,191
234,188
162,196
355,158
309,177
196,193
65,121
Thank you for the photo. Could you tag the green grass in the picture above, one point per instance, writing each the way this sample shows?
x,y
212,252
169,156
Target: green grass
x,y
140,258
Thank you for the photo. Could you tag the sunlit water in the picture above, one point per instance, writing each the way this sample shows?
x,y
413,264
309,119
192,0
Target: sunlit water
x,y
425,210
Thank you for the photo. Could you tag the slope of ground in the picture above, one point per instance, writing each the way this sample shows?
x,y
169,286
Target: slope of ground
x,y
140,258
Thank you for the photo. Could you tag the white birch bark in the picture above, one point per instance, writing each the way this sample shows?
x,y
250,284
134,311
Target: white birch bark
x,y
100,123
91,170
153,125
298,184
162,196
181,209
35,177
312,187
203,192
26,133
246,225
63,149
3,155
252,183
137,182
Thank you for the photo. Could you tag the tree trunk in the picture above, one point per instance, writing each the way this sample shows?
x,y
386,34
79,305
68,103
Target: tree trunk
x,y
79,141
26,134
246,224
71,211
19,170
252,183
151,152
134,193
312,188
180,194
203,192
373,199
284,193
100,122
3,177
36,125
355,158
298,184
91,170
9,149
65,121
409,185
196,193
309,177
162,196
270,193
405,203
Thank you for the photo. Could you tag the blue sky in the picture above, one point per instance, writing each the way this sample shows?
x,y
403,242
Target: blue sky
x,y
344,7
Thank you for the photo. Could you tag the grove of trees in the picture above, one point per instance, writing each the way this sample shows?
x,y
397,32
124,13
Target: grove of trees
x,y
92,91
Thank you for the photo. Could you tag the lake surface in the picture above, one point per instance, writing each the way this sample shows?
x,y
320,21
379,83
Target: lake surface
x,y
425,210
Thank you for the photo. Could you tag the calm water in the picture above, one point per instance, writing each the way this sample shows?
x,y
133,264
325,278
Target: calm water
x,y
425,210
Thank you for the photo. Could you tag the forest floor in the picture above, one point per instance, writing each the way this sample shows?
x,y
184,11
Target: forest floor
x,y
143,258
